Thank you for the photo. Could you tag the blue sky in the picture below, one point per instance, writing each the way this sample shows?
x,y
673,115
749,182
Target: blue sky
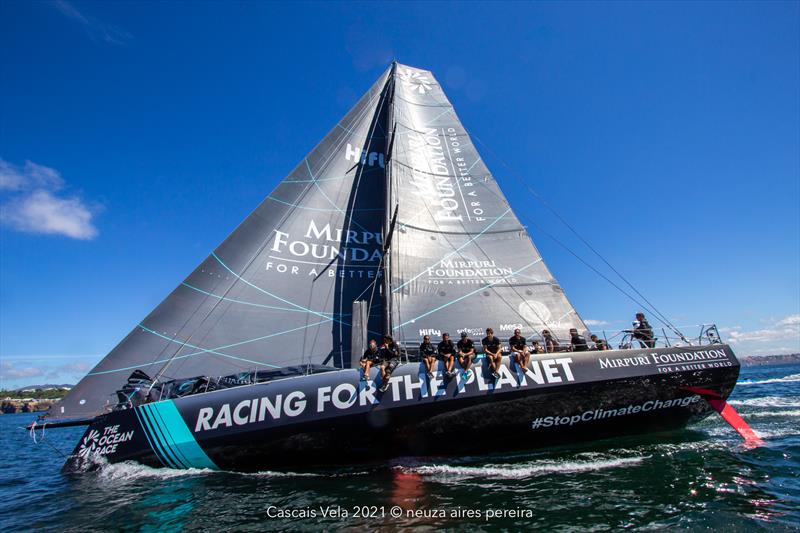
x,y
134,136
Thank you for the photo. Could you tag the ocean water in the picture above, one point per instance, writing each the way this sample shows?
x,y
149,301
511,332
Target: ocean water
x,y
699,478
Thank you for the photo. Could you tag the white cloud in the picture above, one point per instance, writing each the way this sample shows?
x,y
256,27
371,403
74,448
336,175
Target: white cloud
x,y
9,371
590,322
29,176
36,204
782,336
21,371
95,28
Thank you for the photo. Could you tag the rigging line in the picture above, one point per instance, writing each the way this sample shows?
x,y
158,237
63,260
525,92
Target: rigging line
x,y
593,269
658,313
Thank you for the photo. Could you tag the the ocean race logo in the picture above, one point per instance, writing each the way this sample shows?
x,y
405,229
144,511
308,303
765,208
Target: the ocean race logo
x,y
96,443
326,250
416,81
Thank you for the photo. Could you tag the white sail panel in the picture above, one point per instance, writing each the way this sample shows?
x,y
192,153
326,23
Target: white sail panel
x,y
461,260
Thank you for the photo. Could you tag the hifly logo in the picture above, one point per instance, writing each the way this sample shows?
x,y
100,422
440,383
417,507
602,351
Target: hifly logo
x,y
415,81
88,444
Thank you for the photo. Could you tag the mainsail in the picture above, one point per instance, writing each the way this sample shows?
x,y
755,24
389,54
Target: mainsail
x,y
279,290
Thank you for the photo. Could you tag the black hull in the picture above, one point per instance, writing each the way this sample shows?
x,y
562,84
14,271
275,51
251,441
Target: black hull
x,y
331,418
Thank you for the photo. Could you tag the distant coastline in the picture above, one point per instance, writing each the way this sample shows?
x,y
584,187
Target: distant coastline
x,y
764,360
31,399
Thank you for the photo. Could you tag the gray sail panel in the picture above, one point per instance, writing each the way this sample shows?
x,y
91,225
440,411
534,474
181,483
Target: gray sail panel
x,y
278,291
461,260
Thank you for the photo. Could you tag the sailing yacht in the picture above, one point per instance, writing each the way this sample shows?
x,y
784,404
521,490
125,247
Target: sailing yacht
x,y
392,224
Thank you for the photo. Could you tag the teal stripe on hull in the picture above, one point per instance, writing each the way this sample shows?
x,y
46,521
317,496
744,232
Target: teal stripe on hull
x,y
160,447
158,430
177,435
149,439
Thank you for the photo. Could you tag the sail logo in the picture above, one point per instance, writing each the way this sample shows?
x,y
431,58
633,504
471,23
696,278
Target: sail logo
x,y
415,81
358,155
346,253
430,177
470,272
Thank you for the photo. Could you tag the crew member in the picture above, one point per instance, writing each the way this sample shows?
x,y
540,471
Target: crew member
x,y
428,353
447,353
466,352
493,351
536,347
550,343
390,357
371,357
599,344
577,341
643,332
519,349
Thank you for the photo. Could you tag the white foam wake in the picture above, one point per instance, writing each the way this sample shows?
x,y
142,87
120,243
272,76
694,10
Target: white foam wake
x,y
768,401
786,379
130,471
765,414
511,471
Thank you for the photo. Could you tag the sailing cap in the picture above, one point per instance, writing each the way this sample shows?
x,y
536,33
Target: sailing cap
x,y
464,334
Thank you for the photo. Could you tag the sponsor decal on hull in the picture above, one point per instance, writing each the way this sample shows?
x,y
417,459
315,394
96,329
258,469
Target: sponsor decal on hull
x,y
603,414
346,396
665,363
103,441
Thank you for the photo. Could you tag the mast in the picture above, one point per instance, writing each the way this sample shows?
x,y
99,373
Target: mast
x,y
389,218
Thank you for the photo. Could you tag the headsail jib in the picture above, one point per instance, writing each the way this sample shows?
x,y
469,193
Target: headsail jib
x,y
462,260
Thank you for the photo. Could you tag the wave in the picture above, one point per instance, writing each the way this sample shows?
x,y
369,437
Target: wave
x,y
771,414
777,433
521,471
129,471
768,401
786,379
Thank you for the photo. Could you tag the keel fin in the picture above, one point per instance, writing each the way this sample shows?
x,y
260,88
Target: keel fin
x,y
729,414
